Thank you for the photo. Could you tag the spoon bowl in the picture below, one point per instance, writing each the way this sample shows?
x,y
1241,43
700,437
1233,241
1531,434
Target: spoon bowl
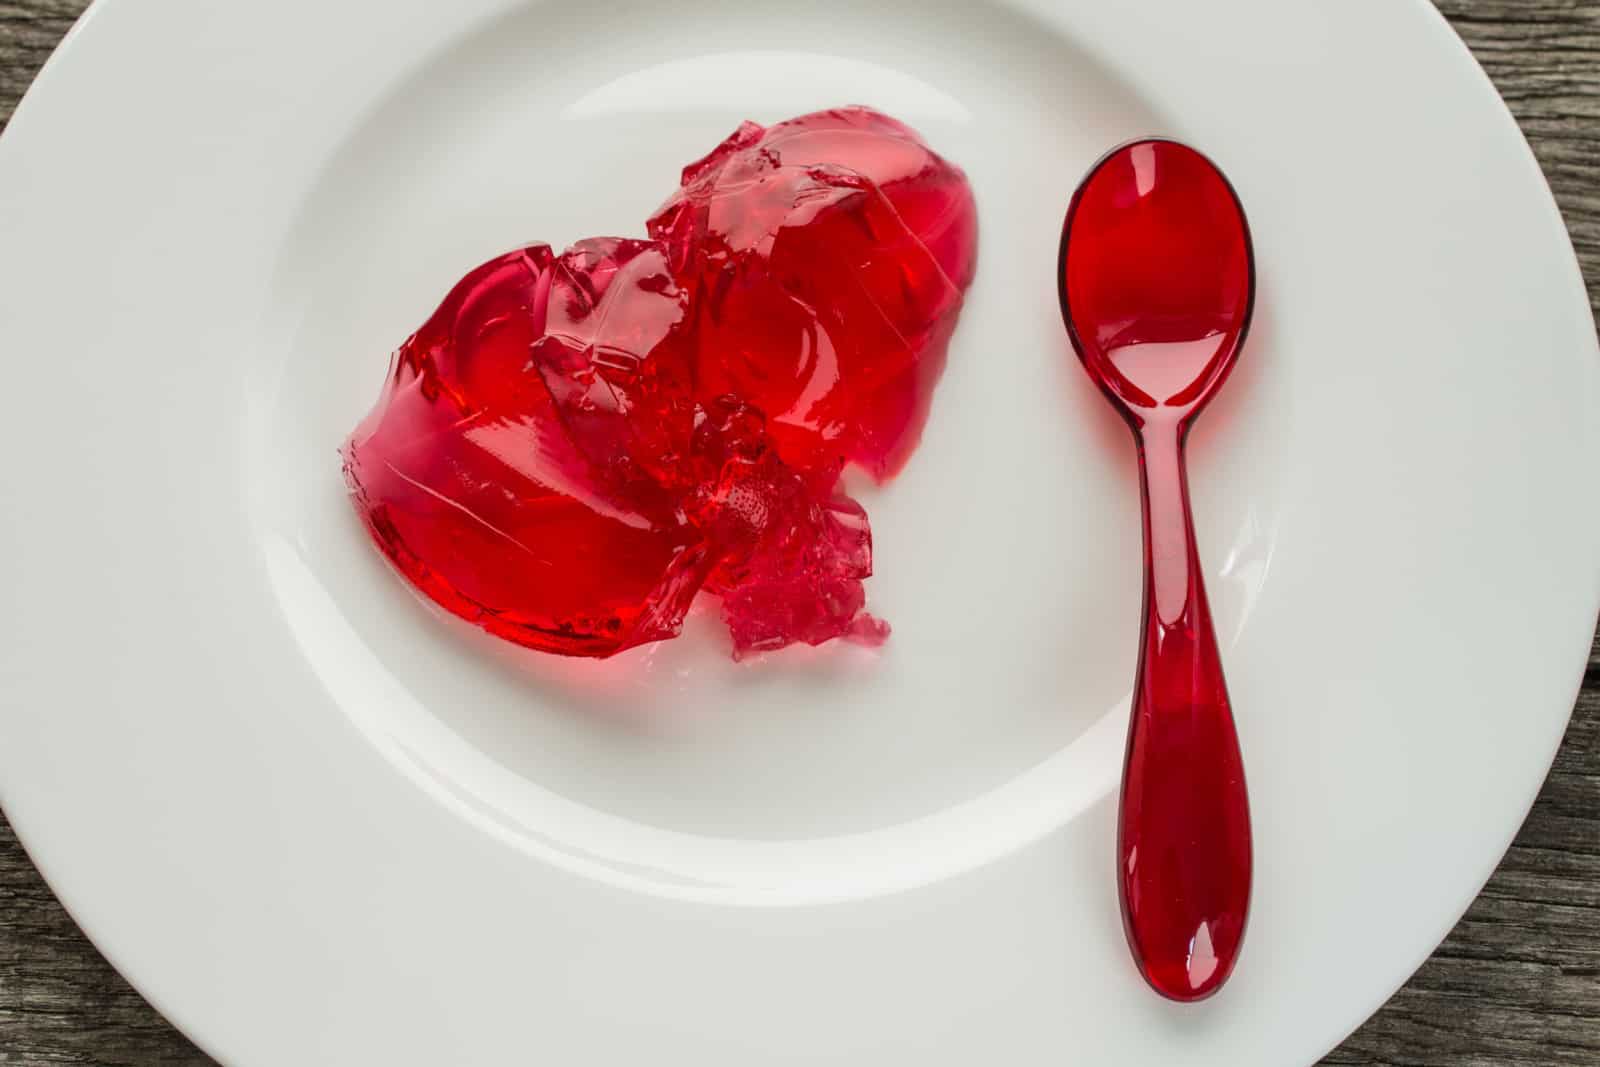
x,y
1157,278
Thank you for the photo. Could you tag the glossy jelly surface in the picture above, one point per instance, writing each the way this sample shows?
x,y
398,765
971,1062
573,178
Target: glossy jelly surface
x,y
573,446
827,255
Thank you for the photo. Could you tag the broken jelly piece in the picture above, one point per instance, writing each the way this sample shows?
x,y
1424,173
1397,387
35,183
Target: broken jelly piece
x,y
573,446
826,258
472,480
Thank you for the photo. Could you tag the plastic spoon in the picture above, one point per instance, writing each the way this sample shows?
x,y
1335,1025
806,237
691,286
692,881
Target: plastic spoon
x,y
1157,284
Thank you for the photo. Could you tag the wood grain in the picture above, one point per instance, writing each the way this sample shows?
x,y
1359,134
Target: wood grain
x,y
1516,984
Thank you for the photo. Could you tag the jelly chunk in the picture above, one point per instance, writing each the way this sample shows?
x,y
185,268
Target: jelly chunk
x,y
537,464
515,507
613,357
826,258
573,446
791,551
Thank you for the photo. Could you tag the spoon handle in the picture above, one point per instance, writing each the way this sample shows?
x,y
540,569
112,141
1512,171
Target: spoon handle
x,y
1184,828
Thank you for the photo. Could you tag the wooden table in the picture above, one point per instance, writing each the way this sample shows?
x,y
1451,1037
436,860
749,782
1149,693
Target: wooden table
x,y
1516,983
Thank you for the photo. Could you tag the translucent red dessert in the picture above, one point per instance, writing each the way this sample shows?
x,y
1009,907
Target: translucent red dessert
x,y
573,446
827,256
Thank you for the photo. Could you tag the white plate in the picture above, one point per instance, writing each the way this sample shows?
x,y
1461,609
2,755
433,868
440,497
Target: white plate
x,y
315,823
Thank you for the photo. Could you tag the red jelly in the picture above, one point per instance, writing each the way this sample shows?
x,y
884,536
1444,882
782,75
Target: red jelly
x,y
573,446
827,256
514,509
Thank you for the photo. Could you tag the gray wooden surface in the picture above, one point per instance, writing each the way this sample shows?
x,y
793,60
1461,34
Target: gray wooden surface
x,y
1516,983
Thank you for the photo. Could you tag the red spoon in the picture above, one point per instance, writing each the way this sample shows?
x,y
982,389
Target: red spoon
x,y
1157,284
